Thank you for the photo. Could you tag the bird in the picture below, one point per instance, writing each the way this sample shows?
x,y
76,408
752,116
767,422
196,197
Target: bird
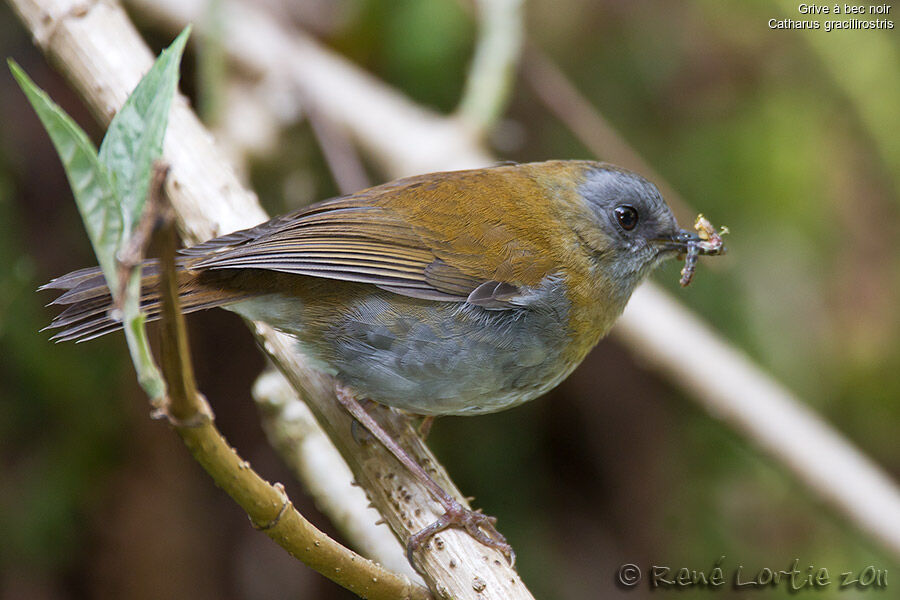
x,y
451,293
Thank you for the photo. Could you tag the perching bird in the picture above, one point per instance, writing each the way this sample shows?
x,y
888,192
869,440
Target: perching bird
x,y
454,293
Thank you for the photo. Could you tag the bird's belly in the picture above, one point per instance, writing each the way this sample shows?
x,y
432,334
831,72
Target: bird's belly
x,y
432,358
458,360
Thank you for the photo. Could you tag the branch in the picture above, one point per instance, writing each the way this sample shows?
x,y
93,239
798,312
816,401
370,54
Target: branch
x,y
719,387
566,103
269,508
725,382
344,163
492,73
292,430
731,388
102,54
404,138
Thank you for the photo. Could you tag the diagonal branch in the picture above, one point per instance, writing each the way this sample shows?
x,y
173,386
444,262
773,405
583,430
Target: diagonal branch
x,y
725,382
595,133
267,505
293,431
864,493
418,140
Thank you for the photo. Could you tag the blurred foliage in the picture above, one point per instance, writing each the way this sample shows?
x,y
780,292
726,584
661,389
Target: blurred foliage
x,y
787,137
421,47
58,435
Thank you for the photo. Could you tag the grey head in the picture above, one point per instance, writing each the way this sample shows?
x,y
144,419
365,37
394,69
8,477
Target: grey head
x,y
639,229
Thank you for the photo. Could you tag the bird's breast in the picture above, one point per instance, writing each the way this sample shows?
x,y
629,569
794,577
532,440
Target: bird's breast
x,y
448,358
427,357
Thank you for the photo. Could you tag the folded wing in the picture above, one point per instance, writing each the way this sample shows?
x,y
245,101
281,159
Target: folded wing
x,y
367,238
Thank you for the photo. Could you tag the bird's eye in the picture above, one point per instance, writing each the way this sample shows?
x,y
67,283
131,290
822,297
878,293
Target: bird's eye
x,y
627,217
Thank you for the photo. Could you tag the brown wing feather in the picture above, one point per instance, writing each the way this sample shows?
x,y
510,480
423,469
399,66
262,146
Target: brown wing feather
x,y
337,240
410,236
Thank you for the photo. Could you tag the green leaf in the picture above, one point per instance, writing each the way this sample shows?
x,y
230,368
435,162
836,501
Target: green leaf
x,y
132,144
135,137
90,181
111,187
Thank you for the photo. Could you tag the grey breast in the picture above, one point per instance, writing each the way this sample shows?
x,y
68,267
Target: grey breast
x,y
450,357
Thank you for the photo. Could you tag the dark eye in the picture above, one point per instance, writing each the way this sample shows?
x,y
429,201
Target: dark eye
x,y
627,217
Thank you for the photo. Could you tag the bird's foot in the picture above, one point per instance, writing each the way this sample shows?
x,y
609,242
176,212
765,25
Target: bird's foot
x,y
477,524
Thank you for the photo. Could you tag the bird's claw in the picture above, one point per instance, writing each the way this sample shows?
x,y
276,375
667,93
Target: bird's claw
x,y
477,524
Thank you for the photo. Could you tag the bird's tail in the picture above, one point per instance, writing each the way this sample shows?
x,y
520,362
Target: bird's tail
x,y
88,301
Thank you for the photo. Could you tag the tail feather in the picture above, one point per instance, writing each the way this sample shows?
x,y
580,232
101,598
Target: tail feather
x,y
82,310
70,280
79,312
88,300
89,284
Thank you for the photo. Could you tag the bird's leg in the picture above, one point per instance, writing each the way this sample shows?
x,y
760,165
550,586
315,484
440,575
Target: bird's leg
x,y
478,525
424,427
360,434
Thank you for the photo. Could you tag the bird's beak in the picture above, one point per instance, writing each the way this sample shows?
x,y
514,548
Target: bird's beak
x,y
677,242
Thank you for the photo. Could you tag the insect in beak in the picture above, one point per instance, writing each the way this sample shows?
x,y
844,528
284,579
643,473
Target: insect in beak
x,y
706,242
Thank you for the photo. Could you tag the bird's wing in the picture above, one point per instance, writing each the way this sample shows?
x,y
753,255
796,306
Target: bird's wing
x,y
425,237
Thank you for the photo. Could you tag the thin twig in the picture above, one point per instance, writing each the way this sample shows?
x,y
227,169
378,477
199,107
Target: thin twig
x,y
209,189
211,66
268,507
343,161
131,256
292,430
